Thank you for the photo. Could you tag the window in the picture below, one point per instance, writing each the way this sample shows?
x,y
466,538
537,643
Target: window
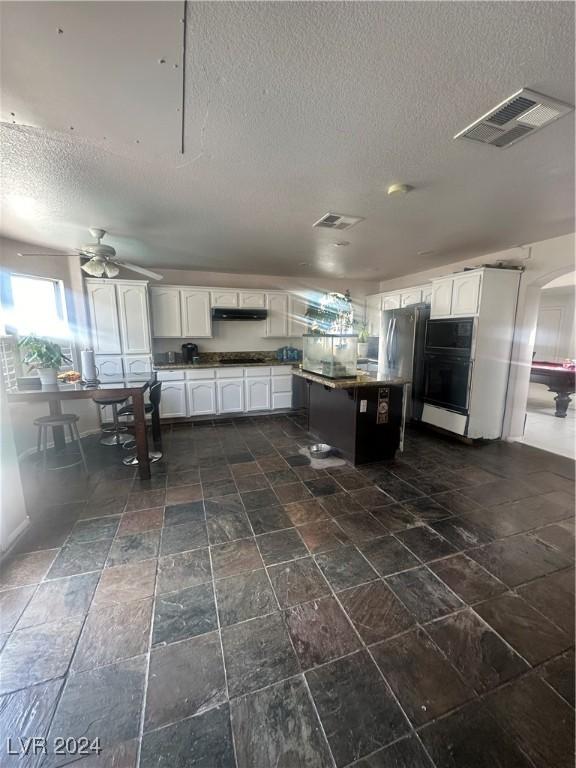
x,y
33,305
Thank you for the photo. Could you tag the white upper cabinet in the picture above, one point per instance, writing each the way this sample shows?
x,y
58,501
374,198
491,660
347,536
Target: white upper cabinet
x,y
224,298
391,301
137,366
133,313
196,318
373,309
252,300
103,317
427,294
277,320
441,301
297,321
166,314
466,293
411,296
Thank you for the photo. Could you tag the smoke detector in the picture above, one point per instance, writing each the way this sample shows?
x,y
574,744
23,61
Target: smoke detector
x,y
515,118
337,221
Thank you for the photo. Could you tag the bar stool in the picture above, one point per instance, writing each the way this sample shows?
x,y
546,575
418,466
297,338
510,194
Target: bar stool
x,y
70,420
151,407
117,436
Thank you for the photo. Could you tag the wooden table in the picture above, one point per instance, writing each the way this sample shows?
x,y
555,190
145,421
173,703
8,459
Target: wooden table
x,y
111,389
559,378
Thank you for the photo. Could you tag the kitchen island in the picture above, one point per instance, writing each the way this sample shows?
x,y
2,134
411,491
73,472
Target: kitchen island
x,y
361,417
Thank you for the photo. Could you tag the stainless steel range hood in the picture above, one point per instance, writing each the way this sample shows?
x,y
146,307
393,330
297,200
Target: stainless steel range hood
x,y
219,313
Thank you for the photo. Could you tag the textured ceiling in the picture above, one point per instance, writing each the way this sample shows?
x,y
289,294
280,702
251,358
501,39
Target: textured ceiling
x,y
292,110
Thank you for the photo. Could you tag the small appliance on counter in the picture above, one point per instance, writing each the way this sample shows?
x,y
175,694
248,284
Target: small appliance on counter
x,y
190,353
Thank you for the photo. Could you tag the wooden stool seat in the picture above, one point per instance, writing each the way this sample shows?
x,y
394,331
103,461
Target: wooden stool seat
x,y
70,420
61,420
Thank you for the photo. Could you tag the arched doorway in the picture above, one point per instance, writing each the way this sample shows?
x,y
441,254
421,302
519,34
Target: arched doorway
x,y
550,415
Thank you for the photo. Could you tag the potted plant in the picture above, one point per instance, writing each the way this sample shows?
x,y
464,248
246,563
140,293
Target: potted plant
x,y
43,356
363,340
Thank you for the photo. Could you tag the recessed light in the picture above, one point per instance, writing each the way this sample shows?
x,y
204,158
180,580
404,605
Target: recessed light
x,y
342,243
399,189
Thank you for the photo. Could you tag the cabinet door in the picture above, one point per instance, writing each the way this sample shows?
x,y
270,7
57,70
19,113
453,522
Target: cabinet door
x,y
201,397
297,320
411,297
134,323
277,320
109,367
427,294
252,299
257,394
103,312
441,301
391,302
465,294
137,366
230,395
281,400
373,312
282,383
173,399
166,314
224,298
196,320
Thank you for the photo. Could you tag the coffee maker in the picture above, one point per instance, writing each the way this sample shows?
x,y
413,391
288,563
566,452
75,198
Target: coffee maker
x,y
189,353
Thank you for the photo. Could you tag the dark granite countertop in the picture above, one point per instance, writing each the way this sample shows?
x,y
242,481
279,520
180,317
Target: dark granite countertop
x,y
362,380
192,366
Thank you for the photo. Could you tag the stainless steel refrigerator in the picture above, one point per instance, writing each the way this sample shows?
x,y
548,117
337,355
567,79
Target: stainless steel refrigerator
x,y
401,350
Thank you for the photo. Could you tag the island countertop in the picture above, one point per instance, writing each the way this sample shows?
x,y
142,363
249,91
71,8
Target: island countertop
x,y
362,380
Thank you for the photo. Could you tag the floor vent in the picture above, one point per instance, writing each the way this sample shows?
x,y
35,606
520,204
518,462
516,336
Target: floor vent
x,y
337,221
515,118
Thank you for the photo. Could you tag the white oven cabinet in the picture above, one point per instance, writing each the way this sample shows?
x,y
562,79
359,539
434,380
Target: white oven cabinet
x,y
277,319
173,400
103,312
410,297
252,300
201,397
223,298
230,395
196,317
257,391
134,319
466,294
391,301
166,312
441,299
427,294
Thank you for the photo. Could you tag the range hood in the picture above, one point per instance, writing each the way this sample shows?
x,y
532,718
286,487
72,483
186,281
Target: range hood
x,y
239,314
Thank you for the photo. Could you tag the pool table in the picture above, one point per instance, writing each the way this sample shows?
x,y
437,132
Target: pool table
x,y
559,378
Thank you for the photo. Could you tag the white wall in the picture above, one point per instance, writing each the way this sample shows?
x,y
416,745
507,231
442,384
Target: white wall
x,y
542,261
66,269
555,327
249,336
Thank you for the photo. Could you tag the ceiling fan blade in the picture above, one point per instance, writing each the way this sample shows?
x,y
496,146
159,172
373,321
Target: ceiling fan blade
x,y
46,254
140,270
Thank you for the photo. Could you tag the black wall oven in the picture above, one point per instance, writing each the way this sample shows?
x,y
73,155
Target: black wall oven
x,y
448,363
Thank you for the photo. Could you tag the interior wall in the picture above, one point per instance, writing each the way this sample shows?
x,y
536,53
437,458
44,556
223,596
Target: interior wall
x,y
542,262
555,326
66,269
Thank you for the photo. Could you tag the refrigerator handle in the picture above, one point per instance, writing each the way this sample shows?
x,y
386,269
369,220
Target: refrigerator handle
x,y
387,342
391,343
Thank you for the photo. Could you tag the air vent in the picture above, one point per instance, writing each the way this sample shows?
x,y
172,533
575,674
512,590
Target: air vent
x,y
337,221
513,119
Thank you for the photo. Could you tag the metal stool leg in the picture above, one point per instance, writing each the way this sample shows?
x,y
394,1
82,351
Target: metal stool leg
x,y
117,438
76,435
44,429
39,443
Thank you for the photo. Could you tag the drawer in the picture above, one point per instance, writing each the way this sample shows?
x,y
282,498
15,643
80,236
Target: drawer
x,y
257,371
281,370
170,375
230,372
282,383
281,400
200,373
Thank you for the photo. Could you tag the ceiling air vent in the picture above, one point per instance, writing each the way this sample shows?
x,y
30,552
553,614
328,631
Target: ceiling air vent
x,y
337,221
521,114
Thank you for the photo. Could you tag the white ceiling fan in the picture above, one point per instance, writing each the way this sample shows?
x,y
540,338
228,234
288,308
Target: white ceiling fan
x,y
101,259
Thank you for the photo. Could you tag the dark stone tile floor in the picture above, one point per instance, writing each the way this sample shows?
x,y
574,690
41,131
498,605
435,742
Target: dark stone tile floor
x,y
243,610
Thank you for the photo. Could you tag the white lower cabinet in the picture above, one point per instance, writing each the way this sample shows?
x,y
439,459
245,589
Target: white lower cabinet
x,y
230,394
109,367
257,393
173,400
137,366
201,396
